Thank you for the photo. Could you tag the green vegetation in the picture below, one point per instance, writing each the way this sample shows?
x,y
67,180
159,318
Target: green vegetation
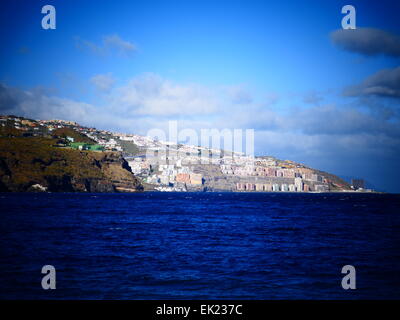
x,y
129,147
68,132
85,146
80,141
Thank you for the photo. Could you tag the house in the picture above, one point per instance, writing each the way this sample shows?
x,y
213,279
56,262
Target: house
x,y
259,187
196,178
183,178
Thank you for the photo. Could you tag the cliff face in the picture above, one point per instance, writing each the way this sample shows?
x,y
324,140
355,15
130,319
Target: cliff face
x,y
34,164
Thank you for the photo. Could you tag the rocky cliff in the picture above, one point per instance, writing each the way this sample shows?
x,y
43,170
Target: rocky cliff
x,y
36,164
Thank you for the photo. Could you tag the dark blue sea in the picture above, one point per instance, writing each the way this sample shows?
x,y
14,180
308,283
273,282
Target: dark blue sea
x,y
199,245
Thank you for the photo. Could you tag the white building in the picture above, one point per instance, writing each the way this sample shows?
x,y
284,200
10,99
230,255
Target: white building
x,y
298,182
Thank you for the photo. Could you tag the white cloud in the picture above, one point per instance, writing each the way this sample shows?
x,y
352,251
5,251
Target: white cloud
x,y
239,95
110,44
115,41
151,95
103,82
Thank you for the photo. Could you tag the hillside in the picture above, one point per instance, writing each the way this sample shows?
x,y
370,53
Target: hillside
x,y
34,163
336,183
68,132
39,153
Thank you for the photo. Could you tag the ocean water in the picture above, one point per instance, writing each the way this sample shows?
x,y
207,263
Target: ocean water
x,y
199,245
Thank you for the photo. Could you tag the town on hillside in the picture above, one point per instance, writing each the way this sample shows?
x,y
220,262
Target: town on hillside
x,y
166,166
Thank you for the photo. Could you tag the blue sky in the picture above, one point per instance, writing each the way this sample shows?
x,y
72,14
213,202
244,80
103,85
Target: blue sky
x,y
313,93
